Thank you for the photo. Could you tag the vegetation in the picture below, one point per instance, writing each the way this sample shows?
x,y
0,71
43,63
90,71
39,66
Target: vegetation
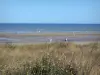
x,y
50,59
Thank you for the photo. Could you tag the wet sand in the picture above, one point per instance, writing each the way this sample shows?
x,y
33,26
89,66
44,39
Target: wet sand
x,y
45,38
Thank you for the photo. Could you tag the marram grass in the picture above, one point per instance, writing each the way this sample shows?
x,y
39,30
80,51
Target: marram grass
x,y
50,59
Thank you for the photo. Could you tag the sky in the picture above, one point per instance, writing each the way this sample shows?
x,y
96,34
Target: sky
x,y
50,11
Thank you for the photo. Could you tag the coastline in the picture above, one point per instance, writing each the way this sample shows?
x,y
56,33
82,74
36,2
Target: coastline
x,y
39,38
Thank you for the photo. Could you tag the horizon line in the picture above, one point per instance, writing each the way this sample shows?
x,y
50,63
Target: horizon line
x,y
49,23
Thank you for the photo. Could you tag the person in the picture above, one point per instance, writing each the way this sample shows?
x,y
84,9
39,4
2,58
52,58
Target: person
x,y
66,40
50,40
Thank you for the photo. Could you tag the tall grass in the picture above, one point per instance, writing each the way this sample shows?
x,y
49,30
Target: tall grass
x,y
50,59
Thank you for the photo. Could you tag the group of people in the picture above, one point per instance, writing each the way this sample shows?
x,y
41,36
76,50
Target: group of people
x,y
50,40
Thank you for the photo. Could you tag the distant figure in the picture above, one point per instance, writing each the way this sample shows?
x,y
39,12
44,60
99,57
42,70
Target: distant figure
x,y
50,40
39,31
74,33
66,40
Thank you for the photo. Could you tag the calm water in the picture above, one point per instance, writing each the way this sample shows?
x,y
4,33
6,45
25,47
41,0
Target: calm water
x,y
29,27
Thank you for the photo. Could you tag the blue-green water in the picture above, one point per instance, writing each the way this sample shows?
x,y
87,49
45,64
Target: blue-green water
x,y
32,27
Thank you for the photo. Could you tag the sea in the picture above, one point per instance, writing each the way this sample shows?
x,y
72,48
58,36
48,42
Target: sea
x,y
47,27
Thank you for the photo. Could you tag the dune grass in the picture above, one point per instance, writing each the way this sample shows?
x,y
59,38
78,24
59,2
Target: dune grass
x,y
50,59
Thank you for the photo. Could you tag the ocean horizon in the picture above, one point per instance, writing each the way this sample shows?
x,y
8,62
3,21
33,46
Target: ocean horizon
x,y
47,27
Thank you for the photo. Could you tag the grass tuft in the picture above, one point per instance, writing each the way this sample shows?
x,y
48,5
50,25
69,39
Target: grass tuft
x,y
50,59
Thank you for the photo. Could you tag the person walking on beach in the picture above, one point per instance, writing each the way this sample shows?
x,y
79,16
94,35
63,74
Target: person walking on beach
x,y
66,40
50,40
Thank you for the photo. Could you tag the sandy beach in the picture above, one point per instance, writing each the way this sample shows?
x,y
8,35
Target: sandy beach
x,y
45,37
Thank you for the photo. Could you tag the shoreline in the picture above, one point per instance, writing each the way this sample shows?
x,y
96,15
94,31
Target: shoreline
x,y
50,34
39,38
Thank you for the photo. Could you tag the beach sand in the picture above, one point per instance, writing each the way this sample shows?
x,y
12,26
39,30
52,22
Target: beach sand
x,y
36,38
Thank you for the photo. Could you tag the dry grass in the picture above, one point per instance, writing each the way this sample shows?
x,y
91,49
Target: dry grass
x,y
50,59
